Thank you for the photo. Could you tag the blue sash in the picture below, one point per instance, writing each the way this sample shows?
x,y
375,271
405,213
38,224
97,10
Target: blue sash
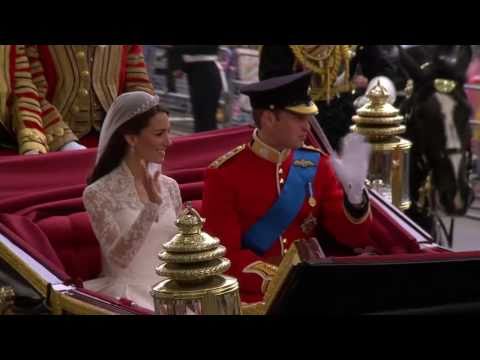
x,y
262,235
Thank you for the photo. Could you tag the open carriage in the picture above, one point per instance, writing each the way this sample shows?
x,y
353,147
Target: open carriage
x,y
47,246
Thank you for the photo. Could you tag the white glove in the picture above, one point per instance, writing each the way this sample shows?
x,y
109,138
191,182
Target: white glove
x,y
352,166
72,145
32,152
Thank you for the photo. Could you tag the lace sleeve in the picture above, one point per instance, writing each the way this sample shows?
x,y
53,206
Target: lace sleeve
x,y
174,191
117,247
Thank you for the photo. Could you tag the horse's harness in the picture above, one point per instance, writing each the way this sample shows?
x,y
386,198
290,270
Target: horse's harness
x,y
426,202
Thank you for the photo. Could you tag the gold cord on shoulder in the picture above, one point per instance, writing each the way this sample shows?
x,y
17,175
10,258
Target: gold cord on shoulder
x,y
325,64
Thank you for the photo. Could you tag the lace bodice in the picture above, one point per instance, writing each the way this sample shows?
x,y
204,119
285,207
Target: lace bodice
x,y
127,228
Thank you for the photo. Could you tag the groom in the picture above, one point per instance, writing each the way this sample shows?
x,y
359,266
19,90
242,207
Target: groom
x,y
263,196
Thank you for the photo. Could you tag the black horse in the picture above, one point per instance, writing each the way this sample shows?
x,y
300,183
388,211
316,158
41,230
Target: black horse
x,y
437,116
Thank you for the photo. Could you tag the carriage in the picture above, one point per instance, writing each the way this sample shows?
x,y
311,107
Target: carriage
x,y
47,247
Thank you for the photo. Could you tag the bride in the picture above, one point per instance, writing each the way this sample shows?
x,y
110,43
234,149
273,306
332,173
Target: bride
x,y
131,204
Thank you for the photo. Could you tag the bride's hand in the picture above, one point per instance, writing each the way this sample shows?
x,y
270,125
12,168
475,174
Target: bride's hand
x,y
151,184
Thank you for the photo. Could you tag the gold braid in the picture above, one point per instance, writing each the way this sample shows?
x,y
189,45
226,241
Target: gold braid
x,y
326,69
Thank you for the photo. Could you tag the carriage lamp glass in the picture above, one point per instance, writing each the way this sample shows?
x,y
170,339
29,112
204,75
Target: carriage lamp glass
x,y
381,123
383,189
193,265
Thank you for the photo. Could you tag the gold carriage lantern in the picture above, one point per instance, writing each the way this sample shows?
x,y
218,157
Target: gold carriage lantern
x,y
193,267
381,123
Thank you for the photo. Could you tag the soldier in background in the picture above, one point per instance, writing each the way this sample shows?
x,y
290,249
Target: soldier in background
x,y
200,64
78,83
336,70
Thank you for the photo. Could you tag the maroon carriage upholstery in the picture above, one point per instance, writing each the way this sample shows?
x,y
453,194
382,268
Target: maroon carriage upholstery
x,y
75,243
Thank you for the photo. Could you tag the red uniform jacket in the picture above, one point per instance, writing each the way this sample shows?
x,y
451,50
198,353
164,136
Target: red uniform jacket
x,y
243,185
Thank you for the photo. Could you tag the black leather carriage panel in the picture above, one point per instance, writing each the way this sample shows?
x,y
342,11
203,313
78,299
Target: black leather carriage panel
x,y
352,289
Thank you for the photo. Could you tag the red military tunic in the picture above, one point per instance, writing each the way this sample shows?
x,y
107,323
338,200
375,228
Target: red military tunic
x,y
243,185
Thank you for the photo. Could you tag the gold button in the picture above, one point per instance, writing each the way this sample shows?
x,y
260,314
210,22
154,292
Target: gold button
x,y
85,73
280,171
81,55
284,241
84,92
76,108
281,181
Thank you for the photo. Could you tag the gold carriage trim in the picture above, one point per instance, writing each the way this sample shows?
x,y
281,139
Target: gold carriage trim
x,y
290,260
59,302
257,308
23,269
265,270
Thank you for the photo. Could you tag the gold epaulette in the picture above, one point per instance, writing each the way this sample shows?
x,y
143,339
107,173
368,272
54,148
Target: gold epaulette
x,y
224,158
313,148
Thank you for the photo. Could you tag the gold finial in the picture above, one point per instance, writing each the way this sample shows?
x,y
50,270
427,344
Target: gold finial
x,y
190,222
378,95
378,120
192,255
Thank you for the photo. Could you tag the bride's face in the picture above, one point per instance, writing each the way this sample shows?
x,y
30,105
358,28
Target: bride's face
x,y
152,142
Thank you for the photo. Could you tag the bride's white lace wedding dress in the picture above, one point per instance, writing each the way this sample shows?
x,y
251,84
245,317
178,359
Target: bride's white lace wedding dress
x,y
130,233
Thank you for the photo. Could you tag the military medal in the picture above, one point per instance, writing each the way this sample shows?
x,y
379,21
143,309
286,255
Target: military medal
x,y
311,200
